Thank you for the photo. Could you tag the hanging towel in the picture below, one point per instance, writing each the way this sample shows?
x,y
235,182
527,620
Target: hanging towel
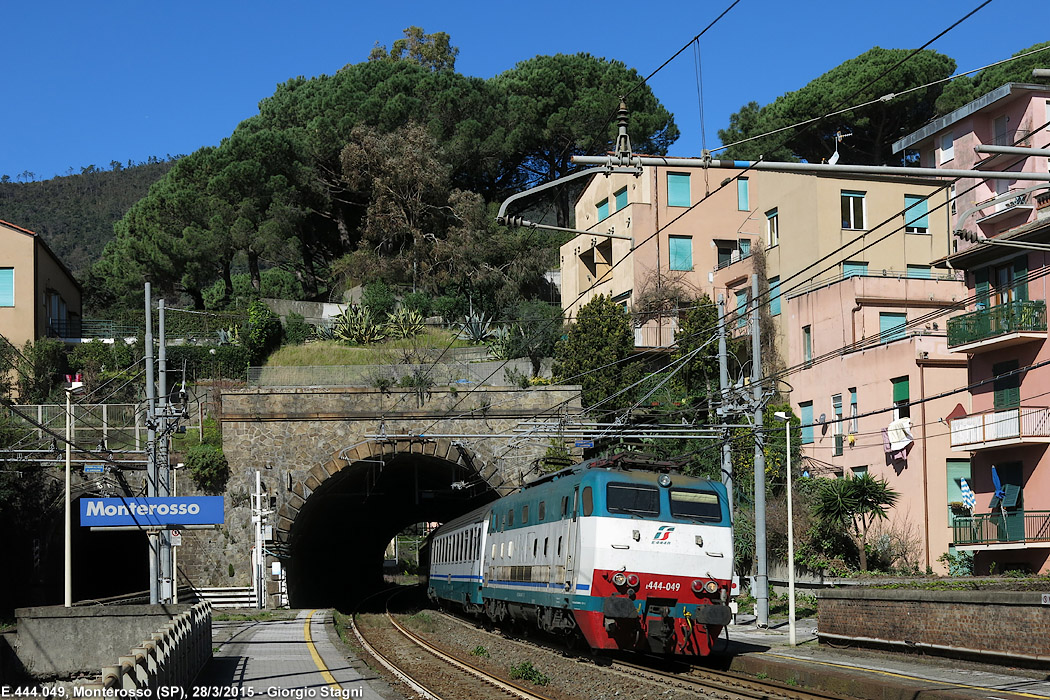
x,y
899,434
886,441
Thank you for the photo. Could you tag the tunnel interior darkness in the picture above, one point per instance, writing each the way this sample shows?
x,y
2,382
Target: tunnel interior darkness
x,y
339,537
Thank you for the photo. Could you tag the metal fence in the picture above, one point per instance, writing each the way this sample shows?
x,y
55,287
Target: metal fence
x,y
115,426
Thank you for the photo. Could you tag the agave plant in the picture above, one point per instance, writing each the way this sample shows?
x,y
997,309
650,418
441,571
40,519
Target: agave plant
x,y
500,341
325,331
475,328
357,326
404,323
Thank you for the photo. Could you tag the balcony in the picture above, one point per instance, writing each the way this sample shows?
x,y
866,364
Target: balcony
x,y
1002,210
1014,530
1020,425
997,327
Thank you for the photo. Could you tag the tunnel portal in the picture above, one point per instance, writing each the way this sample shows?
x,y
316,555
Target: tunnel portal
x,y
339,536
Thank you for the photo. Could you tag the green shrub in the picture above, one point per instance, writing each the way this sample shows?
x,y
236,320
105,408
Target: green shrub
x,y
296,329
450,307
480,651
215,361
378,298
208,467
526,671
417,301
263,334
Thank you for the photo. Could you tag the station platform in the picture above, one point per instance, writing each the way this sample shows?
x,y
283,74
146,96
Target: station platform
x,y
872,674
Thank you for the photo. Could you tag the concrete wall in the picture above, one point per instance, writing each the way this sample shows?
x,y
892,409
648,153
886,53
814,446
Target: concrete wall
x,y
1004,623
53,641
17,322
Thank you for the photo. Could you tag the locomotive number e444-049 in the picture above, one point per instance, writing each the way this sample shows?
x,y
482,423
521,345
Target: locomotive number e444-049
x,y
663,586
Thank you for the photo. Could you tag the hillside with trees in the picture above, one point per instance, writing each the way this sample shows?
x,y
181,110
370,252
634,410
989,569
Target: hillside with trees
x,y
387,170
75,213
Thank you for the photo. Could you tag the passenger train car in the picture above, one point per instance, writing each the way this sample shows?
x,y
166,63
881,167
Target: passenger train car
x,y
631,558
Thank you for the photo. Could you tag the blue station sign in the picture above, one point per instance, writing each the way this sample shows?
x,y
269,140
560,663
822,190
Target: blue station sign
x,y
151,512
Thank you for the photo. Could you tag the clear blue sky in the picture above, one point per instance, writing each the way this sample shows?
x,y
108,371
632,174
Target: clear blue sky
x,y
88,83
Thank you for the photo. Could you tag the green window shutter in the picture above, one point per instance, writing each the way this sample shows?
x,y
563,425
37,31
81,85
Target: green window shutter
x,y
853,269
891,326
678,190
806,416
774,296
1007,390
743,200
901,389
1020,280
7,287
915,216
603,209
921,272
741,308
807,344
982,287
745,247
621,199
680,252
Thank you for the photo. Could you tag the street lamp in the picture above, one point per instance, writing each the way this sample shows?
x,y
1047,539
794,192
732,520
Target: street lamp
x,y
782,416
73,387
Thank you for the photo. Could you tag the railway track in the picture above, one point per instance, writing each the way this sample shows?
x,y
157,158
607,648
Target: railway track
x,y
437,674
691,679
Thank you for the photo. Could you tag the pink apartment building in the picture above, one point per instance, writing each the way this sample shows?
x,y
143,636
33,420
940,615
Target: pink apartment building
x,y
1000,431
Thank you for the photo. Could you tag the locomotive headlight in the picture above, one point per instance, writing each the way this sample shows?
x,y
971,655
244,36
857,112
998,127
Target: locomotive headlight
x,y
619,578
711,586
701,586
664,480
632,580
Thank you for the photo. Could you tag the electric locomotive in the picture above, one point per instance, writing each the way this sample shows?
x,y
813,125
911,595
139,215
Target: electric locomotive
x,y
634,559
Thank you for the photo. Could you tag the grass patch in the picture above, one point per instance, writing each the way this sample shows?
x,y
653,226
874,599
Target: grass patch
x,y
480,651
422,621
326,353
527,672
260,616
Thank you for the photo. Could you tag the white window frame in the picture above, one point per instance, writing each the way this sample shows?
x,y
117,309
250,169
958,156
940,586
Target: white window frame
x,y
852,195
772,228
946,147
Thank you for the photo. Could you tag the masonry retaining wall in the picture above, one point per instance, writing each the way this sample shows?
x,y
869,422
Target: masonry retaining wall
x,y
990,623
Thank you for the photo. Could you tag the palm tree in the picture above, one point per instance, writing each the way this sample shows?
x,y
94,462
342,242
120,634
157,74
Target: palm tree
x,y
855,503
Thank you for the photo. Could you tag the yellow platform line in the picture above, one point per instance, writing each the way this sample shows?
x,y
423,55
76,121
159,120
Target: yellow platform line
x,y
913,678
325,673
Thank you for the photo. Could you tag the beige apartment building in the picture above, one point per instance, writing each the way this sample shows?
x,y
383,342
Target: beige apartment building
x,y
38,295
845,276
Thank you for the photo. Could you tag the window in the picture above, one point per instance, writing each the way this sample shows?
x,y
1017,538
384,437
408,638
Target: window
x,y
854,269
957,470
678,190
588,501
564,506
852,210
524,515
1002,131
921,272
745,247
772,228
695,505
632,498
7,286
915,214
725,256
741,308
680,252
1007,390
510,518
620,198
806,417
807,345
543,510
836,427
901,397
742,198
859,471
603,209
853,411
947,147
1011,476
774,295
891,326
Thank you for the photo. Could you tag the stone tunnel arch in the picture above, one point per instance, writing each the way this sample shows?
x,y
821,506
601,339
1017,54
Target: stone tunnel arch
x,y
338,520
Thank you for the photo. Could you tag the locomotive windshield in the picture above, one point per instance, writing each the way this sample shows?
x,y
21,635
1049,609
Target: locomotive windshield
x,y
697,505
632,498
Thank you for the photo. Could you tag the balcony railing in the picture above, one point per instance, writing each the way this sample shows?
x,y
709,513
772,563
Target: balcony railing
x,y
1007,426
1001,319
91,328
995,528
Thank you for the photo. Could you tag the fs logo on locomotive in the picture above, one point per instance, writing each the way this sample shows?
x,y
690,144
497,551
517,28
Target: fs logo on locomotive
x,y
663,535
